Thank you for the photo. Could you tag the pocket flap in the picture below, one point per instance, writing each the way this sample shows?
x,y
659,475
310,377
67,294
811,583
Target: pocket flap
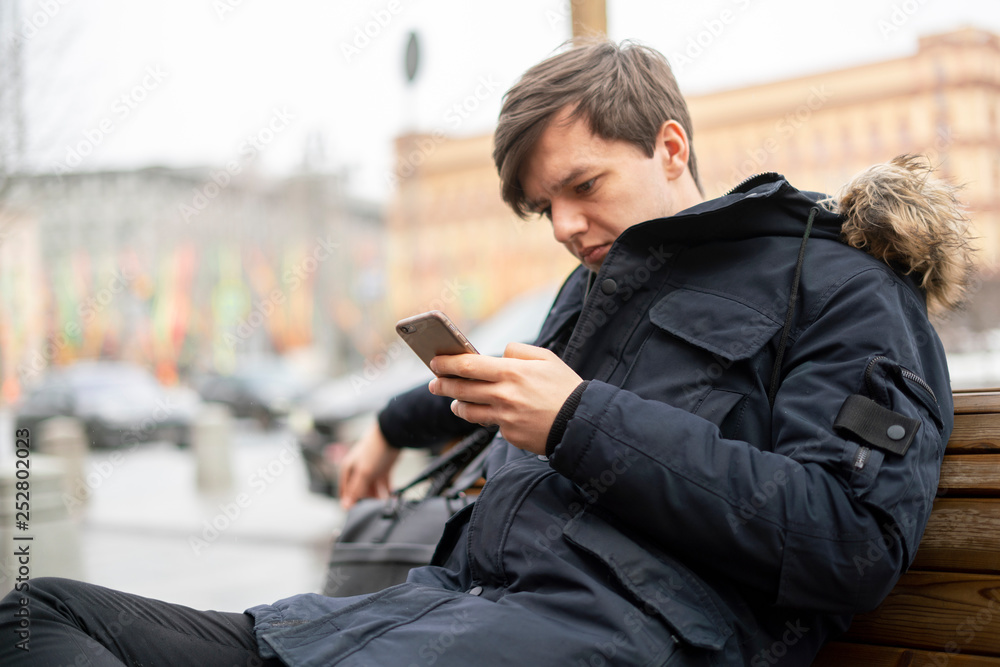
x,y
668,589
719,324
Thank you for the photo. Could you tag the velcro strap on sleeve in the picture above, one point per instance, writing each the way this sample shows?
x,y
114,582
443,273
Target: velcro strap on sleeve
x,y
879,427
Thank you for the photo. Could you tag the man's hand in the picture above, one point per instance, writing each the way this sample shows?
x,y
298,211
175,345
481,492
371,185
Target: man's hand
x,y
364,472
521,392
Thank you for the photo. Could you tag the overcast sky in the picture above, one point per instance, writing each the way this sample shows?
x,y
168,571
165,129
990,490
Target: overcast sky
x,y
121,83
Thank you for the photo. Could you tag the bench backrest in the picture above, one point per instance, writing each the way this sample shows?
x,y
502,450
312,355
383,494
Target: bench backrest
x,y
946,609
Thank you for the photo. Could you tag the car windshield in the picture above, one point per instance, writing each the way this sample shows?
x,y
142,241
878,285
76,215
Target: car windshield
x,y
135,392
120,385
272,380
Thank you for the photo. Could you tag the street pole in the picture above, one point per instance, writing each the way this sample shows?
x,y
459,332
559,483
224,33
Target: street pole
x,y
590,18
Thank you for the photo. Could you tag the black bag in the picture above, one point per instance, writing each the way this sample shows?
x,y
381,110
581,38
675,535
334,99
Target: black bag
x,y
382,540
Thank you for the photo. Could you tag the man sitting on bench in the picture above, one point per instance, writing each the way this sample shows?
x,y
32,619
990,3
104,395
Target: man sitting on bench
x,y
728,404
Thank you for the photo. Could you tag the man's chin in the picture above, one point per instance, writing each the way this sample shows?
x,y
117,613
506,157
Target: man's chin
x,y
591,265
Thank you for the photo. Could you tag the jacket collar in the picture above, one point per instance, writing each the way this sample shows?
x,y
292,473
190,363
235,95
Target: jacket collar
x,y
765,205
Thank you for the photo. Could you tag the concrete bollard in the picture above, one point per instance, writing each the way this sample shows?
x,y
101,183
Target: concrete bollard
x,y
65,439
48,543
211,442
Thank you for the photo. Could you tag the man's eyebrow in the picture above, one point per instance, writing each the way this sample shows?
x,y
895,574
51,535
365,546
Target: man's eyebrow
x,y
574,174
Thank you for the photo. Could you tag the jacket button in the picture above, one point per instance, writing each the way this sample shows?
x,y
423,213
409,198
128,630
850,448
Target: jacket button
x,y
895,432
543,458
608,286
476,590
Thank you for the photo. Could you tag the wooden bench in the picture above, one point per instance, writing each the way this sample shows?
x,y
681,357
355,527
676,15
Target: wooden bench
x,y
946,609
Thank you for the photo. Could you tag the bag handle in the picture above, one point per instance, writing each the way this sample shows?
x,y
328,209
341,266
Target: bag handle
x,y
445,468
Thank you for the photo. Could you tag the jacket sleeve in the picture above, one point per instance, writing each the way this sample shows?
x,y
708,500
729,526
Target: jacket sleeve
x,y
809,520
418,418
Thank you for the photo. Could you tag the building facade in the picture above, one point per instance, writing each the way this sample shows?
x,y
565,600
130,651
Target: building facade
x,y
181,269
821,129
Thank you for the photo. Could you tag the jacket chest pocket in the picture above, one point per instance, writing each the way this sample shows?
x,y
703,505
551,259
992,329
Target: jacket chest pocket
x,y
702,352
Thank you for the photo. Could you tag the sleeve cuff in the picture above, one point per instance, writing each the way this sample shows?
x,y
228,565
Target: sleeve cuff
x,y
385,421
418,419
562,419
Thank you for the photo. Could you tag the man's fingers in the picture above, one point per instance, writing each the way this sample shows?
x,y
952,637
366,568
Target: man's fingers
x,y
348,494
359,485
470,391
352,487
486,368
471,366
471,412
525,351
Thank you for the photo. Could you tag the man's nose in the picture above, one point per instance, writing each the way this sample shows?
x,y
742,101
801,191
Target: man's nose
x,y
567,221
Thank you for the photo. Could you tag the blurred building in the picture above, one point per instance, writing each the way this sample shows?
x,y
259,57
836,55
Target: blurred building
x,y
821,129
181,268
20,312
448,223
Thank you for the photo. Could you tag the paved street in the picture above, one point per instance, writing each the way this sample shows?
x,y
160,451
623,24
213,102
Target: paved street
x,y
146,528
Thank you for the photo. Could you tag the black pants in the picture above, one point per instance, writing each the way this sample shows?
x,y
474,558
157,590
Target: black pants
x,y
67,622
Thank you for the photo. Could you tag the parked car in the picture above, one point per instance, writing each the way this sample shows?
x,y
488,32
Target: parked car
x,y
263,390
119,404
331,417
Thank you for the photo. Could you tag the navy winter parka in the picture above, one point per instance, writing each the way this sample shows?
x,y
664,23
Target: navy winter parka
x,y
679,519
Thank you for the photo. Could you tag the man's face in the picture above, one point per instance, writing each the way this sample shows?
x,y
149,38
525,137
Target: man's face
x,y
593,189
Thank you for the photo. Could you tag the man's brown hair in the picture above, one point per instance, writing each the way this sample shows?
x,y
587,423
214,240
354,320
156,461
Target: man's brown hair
x,y
626,92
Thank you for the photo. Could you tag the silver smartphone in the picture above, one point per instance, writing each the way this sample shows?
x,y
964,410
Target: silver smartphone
x,y
432,333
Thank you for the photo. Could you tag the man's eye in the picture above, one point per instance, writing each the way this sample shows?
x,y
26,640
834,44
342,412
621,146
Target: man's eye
x,y
585,187
546,212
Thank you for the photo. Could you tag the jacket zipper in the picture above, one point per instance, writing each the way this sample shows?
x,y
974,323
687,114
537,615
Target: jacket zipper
x,y
913,377
861,458
750,179
864,453
909,375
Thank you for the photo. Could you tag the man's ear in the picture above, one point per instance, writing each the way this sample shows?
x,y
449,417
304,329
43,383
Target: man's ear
x,y
672,149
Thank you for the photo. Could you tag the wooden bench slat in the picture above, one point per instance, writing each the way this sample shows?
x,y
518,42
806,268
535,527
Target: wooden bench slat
x,y
975,433
839,654
970,475
962,534
936,611
977,400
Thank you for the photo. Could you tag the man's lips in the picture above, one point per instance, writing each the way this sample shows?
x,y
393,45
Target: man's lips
x,y
594,254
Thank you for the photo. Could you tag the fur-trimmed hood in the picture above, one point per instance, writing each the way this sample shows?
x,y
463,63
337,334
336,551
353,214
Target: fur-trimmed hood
x,y
901,214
